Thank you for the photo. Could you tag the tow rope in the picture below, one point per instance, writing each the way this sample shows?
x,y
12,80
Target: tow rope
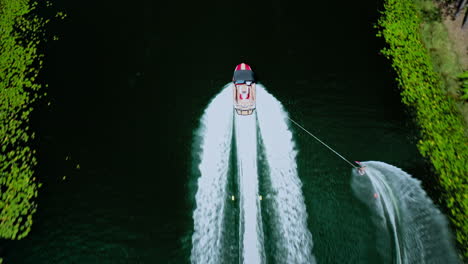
x,y
360,169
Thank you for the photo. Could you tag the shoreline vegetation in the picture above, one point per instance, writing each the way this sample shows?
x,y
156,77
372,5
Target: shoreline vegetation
x,y
428,71
20,63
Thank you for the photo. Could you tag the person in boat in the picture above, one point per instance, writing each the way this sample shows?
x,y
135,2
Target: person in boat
x,y
244,89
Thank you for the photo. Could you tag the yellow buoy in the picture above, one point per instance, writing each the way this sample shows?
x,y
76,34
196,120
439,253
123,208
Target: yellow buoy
x,y
232,198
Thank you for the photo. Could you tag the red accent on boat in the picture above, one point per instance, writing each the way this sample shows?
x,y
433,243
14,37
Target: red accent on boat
x,y
248,95
243,66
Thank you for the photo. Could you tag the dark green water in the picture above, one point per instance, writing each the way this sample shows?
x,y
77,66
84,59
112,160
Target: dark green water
x,y
128,82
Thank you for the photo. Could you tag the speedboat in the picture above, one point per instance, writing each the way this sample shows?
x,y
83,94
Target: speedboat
x,y
244,89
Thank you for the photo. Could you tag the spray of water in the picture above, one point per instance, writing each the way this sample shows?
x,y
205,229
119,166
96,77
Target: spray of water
x,y
410,229
250,217
216,134
293,243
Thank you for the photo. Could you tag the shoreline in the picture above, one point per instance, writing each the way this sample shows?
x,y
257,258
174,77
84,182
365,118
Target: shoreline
x,y
459,41
428,68
20,64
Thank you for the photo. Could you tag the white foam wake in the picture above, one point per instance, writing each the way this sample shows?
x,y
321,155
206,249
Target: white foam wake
x,y
294,243
410,229
216,134
250,217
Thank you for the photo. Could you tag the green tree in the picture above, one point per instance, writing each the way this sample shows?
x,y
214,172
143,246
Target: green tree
x,y
19,67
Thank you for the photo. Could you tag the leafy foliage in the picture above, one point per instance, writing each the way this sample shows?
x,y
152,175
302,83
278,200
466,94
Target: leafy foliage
x,y
464,84
442,138
19,66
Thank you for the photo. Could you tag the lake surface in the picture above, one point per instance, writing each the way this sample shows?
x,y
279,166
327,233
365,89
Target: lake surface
x,y
128,83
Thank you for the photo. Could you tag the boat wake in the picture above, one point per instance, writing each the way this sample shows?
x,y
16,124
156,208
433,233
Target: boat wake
x,y
250,217
410,229
215,133
293,241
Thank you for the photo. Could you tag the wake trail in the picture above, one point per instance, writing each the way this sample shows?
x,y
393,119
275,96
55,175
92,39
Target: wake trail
x,y
294,241
410,229
250,217
216,134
